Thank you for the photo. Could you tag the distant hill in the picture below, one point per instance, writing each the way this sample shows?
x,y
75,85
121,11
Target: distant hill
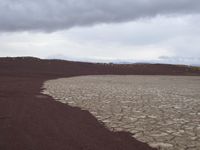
x,y
32,65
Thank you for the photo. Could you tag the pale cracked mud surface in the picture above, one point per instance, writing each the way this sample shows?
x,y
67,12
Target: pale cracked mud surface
x,y
163,111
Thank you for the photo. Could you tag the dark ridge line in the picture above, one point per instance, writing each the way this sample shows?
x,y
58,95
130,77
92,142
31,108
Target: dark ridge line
x,y
100,63
29,65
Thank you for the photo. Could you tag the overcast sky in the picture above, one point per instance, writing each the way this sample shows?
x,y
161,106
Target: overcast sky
x,y
164,31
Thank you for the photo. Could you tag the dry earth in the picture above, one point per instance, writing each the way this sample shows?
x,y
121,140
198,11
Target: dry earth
x,y
163,111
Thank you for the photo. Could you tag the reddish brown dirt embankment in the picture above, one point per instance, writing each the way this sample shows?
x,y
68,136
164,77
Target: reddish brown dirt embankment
x,y
32,121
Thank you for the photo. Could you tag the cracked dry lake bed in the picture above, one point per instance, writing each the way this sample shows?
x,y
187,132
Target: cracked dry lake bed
x,y
163,111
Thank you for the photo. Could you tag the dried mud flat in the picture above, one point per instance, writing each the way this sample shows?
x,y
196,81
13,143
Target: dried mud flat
x,y
163,111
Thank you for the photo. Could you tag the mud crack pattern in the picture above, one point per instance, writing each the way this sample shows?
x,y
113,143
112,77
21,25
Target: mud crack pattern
x,y
163,111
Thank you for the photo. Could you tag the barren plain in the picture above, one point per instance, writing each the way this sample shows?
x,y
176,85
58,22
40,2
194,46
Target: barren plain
x,y
163,111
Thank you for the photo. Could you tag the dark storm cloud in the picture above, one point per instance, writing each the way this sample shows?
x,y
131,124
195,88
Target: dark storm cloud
x,y
51,15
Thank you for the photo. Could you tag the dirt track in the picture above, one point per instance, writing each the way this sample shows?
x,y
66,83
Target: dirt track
x,y
163,111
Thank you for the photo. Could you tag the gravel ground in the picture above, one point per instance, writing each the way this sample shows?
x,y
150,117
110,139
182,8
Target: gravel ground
x,y
163,111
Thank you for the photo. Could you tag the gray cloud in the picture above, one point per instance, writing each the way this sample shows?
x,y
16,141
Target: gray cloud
x,y
52,15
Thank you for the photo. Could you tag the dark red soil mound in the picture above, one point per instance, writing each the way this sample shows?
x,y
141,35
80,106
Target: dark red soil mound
x,y
58,68
32,121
